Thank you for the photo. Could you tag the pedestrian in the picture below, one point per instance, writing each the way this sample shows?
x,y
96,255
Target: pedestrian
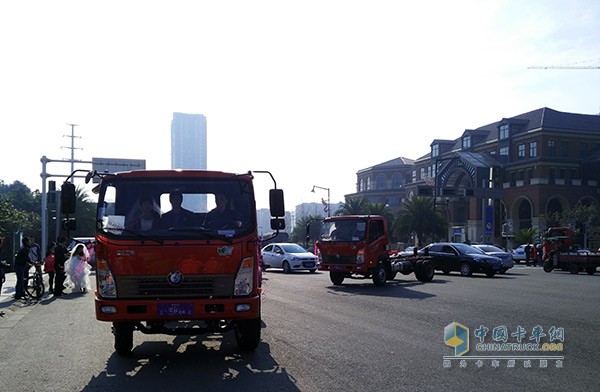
x,y
35,253
49,265
534,255
21,268
527,254
2,266
60,257
78,270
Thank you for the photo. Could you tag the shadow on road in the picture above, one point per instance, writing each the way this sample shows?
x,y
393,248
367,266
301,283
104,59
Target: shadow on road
x,y
208,363
393,288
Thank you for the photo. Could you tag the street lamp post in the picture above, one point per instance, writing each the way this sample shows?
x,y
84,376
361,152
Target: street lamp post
x,y
328,192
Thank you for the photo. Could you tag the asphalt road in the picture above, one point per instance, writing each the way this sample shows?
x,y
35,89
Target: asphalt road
x,y
320,337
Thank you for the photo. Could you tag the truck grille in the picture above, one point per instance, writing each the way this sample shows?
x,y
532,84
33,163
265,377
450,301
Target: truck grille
x,y
338,259
193,286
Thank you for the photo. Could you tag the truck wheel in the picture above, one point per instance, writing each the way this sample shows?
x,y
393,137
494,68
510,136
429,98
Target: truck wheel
x,y
465,269
286,267
391,275
590,270
337,277
574,268
123,338
424,271
379,276
247,334
548,267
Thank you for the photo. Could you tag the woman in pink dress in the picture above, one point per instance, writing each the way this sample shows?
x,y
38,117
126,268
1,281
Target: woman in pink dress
x,y
78,270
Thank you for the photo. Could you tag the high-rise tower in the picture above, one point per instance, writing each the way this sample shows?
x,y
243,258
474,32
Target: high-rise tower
x,y
188,141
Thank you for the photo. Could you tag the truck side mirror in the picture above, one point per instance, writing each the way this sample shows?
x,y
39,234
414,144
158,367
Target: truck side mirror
x,y
277,223
67,198
276,203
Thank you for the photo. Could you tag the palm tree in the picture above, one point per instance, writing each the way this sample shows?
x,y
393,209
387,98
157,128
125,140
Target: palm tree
x,y
353,206
418,217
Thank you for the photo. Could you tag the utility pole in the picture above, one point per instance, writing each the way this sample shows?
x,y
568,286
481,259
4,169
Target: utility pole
x,y
72,148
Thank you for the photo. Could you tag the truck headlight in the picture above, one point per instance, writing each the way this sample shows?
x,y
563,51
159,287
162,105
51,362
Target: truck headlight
x,y
360,256
106,282
244,279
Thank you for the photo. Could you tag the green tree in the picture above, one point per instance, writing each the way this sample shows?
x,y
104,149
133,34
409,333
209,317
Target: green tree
x,y
353,206
418,217
299,232
526,236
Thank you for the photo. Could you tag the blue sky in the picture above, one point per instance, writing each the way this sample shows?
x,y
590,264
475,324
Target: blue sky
x,y
313,91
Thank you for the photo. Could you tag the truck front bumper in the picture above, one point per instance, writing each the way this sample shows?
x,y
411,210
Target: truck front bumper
x,y
122,310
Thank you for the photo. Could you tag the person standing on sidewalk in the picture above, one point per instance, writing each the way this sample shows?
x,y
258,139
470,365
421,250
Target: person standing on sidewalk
x,y
49,265
61,254
21,268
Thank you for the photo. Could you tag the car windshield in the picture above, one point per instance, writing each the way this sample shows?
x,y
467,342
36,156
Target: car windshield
x,y
182,207
349,230
467,249
489,248
293,248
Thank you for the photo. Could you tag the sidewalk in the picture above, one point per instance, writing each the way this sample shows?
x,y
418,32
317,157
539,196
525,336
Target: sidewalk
x,y
8,288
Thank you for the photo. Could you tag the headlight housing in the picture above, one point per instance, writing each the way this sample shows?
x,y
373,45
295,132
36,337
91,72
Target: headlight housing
x,y
106,282
244,281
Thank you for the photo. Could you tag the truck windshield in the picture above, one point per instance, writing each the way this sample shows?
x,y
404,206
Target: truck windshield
x,y
196,207
347,230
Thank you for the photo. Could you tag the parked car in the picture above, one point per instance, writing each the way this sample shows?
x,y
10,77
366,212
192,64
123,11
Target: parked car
x,y
492,250
408,251
450,256
288,256
518,253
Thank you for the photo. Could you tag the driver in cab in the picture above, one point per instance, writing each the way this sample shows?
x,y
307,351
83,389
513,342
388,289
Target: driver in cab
x,y
222,216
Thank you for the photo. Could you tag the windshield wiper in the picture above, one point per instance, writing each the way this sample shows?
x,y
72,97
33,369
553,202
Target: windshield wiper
x,y
199,229
136,233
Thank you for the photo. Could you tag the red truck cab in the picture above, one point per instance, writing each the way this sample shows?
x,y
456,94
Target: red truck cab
x,y
172,260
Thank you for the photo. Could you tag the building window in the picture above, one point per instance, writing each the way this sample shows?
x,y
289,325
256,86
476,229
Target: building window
x,y
583,148
435,150
551,151
533,149
422,173
503,134
361,185
397,181
368,183
563,149
381,182
521,151
503,151
393,201
414,176
466,142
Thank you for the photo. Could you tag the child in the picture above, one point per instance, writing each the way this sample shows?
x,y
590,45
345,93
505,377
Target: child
x,y
49,265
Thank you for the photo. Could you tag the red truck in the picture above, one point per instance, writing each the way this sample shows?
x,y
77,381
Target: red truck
x,y
357,246
559,252
182,271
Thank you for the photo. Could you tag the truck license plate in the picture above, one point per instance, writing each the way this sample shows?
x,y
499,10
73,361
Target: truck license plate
x,y
171,310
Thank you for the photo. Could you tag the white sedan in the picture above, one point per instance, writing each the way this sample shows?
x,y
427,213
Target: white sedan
x,y
288,256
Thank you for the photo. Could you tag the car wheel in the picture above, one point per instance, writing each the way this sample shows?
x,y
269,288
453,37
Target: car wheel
x,y
548,266
123,338
424,271
286,267
446,271
337,278
465,269
590,270
379,276
574,268
312,271
247,334
490,274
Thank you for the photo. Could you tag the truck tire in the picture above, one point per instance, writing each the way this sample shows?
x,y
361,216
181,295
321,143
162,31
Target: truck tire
x,y
548,267
379,275
574,268
590,270
337,278
247,334
424,271
123,338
